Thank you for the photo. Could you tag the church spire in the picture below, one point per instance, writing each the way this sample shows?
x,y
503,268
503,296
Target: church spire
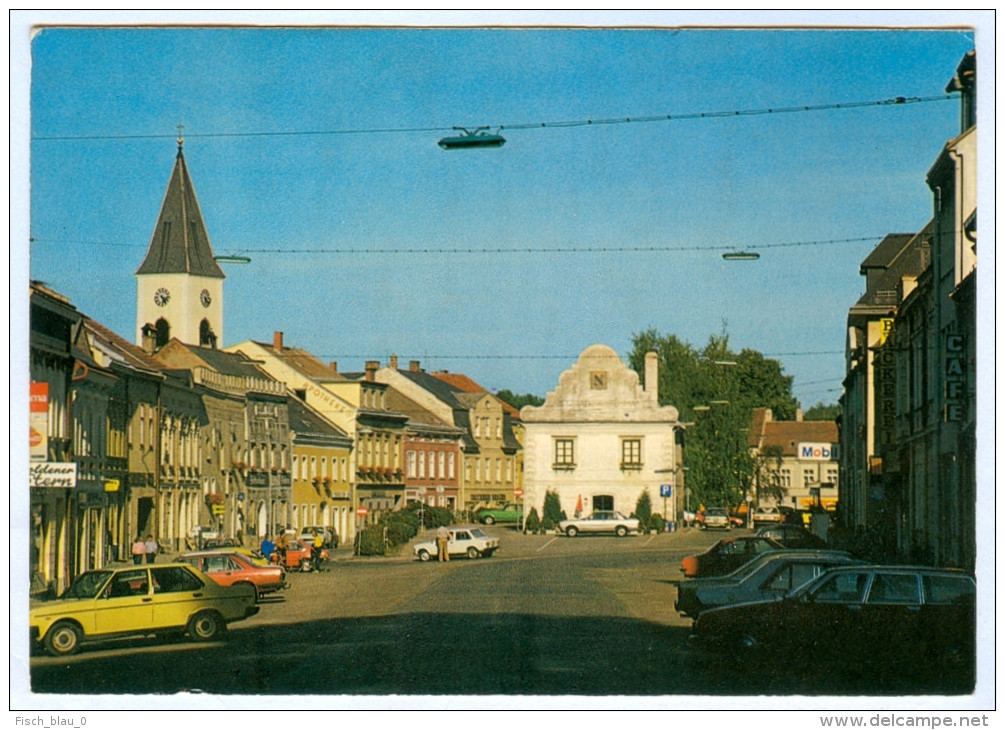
x,y
180,243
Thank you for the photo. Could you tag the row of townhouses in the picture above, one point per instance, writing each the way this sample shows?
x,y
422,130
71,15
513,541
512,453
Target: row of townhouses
x,y
175,432
908,430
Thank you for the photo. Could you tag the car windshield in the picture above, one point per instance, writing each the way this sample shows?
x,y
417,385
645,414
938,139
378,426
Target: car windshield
x,y
87,585
717,512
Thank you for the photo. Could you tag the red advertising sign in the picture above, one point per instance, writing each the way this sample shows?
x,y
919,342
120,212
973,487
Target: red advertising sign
x,y
38,421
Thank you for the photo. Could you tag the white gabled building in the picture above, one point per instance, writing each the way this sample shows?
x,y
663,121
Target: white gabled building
x,y
601,438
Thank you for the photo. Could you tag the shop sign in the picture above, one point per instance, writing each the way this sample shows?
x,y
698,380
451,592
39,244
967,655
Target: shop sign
x,y
52,475
816,452
257,479
38,421
955,378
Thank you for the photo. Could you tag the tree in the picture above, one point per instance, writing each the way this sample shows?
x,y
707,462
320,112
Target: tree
x,y
519,401
767,479
715,390
822,412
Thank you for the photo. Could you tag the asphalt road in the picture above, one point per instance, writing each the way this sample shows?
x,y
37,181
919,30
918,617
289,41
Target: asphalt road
x,y
546,615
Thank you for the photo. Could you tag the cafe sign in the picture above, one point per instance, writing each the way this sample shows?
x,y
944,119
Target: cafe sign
x,y
52,475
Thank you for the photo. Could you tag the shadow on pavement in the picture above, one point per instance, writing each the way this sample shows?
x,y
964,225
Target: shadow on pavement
x,y
466,654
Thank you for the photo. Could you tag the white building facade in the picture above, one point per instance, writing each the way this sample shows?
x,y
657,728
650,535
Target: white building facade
x,y
601,439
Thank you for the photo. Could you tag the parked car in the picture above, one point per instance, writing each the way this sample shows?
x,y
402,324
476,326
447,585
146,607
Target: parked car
x,y
602,522
510,513
767,516
328,535
727,555
775,577
878,613
232,568
138,601
470,541
792,536
754,564
716,518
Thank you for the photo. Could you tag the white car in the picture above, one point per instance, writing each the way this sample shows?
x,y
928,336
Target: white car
x,y
470,541
599,523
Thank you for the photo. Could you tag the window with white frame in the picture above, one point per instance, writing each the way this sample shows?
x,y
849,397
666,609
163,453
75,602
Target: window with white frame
x,y
565,457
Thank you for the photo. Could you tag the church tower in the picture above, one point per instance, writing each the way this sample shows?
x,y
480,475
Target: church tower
x,y
179,285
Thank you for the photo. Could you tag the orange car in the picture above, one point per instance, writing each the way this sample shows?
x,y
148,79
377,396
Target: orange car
x,y
233,568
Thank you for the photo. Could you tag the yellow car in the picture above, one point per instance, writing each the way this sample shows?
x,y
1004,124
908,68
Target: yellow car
x,y
138,600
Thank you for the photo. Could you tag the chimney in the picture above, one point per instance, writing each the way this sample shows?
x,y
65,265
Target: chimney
x,y
799,415
149,339
371,369
394,362
652,373
413,365
334,366
277,341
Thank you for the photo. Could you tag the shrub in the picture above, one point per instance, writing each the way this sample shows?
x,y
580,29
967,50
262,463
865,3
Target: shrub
x,y
533,521
656,522
644,508
371,541
552,510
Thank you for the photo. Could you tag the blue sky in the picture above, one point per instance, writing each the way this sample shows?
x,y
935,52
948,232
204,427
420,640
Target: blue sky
x,y
317,212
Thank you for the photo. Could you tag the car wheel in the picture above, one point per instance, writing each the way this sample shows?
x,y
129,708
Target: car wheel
x,y
205,626
473,552
63,639
424,556
621,531
489,520
252,586
571,531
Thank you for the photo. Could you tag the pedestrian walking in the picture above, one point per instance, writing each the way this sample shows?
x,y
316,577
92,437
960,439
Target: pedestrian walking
x,y
442,542
282,545
139,550
150,548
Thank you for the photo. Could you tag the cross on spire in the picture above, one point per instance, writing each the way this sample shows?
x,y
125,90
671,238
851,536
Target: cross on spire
x,y
181,139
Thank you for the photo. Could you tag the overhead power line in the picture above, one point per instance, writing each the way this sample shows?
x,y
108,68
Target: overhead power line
x,y
892,101
427,356
493,250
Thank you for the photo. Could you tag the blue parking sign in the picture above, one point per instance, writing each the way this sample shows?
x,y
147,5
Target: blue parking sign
x,y
666,490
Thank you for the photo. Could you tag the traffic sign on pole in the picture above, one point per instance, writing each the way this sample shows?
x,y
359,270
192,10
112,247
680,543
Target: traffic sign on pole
x,y
362,511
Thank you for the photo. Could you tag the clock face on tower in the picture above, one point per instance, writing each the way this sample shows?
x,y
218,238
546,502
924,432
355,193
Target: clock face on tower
x,y
205,298
161,297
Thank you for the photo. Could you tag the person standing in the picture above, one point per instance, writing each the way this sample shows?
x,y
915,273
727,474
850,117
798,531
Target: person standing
x,y
317,546
442,543
267,548
150,548
139,550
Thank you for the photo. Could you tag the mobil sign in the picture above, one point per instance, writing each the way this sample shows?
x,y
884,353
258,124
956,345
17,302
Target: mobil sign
x,y
817,452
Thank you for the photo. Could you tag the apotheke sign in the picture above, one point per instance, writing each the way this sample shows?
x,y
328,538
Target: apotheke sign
x,y
53,475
